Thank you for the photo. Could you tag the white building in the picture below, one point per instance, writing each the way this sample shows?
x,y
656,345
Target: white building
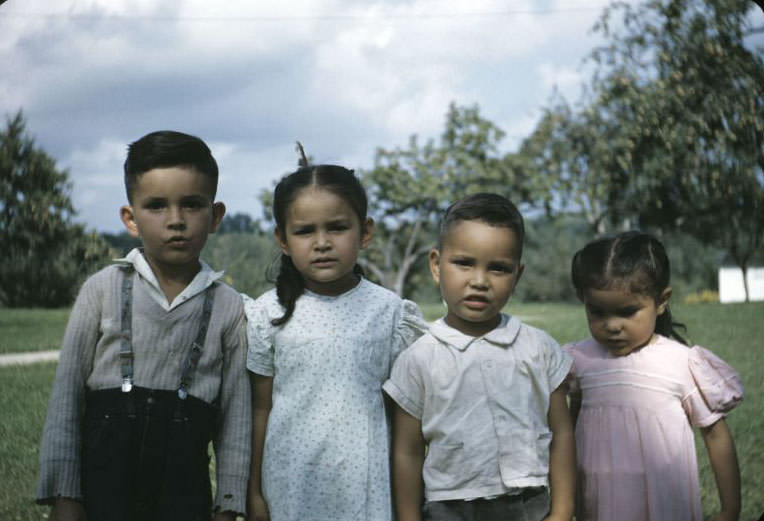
x,y
731,284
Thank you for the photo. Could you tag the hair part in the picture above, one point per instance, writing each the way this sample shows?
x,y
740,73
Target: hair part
x,y
338,180
165,149
491,209
632,260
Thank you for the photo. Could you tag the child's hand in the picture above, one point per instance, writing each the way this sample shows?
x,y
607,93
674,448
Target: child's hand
x,y
65,509
258,509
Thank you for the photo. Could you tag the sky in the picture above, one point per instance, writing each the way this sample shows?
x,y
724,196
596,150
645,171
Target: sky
x,y
251,77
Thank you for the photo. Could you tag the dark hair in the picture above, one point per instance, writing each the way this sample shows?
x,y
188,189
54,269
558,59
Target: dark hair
x,y
336,179
634,260
492,209
168,148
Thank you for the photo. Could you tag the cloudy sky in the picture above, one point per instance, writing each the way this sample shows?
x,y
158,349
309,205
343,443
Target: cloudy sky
x,y
251,77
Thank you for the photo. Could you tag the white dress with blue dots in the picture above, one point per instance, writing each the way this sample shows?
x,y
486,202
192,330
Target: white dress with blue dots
x,y
326,455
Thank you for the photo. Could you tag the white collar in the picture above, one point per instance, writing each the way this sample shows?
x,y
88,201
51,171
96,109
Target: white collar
x,y
201,281
502,335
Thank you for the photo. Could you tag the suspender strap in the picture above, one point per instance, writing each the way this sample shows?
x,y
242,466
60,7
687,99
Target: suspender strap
x,y
196,348
126,347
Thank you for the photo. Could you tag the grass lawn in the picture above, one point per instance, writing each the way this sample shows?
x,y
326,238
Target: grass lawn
x,y
733,331
31,329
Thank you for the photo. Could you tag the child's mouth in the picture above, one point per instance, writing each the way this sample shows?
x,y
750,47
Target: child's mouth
x,y
475,302
324,263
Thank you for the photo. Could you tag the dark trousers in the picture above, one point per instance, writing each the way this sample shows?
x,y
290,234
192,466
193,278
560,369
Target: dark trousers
x,y
145,456
530,505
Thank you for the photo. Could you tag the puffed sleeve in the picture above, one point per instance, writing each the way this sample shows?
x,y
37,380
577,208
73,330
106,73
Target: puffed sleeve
x,y
717,387
405,385
571,380
411,325
259,336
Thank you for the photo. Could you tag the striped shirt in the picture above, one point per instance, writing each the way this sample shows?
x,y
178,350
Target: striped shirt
x,y
162,336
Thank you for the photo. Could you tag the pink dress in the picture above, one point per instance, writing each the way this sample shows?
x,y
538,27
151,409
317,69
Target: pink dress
x,y
634,440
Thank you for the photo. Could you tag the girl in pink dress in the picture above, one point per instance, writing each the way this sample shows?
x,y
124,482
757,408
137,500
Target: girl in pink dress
x,y
637,390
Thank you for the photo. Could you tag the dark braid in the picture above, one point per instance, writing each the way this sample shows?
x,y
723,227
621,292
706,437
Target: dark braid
x,y
289,286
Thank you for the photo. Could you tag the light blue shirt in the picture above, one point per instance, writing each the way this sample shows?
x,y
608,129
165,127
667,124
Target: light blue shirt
x,y
483,404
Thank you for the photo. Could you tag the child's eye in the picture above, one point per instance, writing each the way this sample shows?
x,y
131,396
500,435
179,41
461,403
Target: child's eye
x,y
501,268
594,311
627,312
302,231
340,227
154,205
194,205
461,262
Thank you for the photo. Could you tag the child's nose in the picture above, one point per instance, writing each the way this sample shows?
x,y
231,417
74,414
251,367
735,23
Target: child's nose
x,y
175,218
479,279
612,324
322,241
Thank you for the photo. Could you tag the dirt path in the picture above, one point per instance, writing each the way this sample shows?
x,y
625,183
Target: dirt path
x,y
28,358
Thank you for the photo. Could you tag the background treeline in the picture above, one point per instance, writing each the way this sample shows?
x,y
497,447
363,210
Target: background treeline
x,y
668,136
245,248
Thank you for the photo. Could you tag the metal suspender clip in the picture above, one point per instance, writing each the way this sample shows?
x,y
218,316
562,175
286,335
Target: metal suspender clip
x,y
126,347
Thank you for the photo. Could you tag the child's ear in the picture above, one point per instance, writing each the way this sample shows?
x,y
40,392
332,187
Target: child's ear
x,y
367,232
520,270
218,211
663,300
281,241
128,219
435,265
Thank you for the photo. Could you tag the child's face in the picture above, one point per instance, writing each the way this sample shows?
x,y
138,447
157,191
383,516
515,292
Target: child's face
x,y
323,236
172,213
477,268
621,320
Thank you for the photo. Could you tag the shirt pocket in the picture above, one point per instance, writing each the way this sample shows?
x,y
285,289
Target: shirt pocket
x,y
525,454
445,467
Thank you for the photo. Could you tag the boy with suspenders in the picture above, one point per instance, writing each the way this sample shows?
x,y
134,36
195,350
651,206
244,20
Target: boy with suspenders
x,y
152,362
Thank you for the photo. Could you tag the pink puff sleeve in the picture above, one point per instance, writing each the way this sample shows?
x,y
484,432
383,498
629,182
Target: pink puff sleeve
x,y
718,387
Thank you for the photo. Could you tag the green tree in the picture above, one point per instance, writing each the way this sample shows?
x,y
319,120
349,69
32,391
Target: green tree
x,y
670,134
409,188
44,255
247,258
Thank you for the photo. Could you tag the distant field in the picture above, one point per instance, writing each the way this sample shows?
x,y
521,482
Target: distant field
x,y
735,332
24,330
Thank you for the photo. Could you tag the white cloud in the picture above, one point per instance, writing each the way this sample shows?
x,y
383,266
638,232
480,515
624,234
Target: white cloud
x,y
251,77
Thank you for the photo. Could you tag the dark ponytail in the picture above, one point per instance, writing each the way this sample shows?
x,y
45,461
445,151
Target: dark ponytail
x,y
336,179
632,259
289,286
665,325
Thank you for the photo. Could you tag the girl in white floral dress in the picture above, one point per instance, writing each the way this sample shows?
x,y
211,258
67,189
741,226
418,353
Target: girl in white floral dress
x,y
320,346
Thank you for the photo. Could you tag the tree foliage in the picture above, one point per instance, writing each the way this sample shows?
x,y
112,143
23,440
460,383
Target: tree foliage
x,y
409,188
44,255
670,134
247,258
